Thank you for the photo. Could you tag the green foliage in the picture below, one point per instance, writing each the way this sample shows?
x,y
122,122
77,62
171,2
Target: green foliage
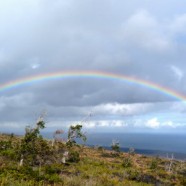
x,y
27,172
75,132
4,145
133,174
53,169
154,163
9,153
34,149
42,163
127,162
7,150
73,156
115,146
53,178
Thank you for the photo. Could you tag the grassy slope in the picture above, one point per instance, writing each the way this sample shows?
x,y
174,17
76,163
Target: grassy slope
x,y
96,167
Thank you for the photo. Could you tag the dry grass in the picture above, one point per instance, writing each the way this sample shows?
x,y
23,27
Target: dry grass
x,y
99,167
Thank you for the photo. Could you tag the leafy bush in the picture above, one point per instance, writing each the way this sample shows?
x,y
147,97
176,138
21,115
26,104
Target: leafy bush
x,y
115,146
127,162
73,156
154,163
133,174
9,153
53,178
53,169
34,150
4,145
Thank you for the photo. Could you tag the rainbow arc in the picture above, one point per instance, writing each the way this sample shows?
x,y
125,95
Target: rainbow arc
x,y
92,74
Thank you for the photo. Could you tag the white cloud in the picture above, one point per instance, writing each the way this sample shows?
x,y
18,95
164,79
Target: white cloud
x,y
36,65
102,123
117,123
105,123
122,109
169,124
153,123
178,73
89,125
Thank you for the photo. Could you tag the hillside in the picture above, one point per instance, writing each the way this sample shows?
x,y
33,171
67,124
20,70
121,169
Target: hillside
x,y
84,166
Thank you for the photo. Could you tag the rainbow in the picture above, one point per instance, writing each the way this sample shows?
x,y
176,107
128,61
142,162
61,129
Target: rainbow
x,y
91,74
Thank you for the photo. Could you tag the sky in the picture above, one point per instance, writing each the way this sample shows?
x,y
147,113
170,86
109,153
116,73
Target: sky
x,y
143,39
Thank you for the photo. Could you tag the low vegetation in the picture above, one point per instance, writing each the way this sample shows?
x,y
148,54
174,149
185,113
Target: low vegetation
x,y
31,160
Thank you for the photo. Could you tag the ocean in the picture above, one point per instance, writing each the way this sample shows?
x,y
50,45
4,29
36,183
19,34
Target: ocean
x,y
163,145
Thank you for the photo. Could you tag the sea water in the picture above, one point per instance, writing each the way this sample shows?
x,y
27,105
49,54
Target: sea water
x,y
145,143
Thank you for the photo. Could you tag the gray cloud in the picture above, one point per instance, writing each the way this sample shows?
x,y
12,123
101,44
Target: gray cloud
x,y
138,38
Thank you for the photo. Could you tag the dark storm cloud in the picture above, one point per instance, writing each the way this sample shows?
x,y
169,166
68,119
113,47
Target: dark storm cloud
x,y
138,38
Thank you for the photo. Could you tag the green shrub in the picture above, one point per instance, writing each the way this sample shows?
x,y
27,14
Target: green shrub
x,y
73,156
133,174
127,162
27,173
53,178
10,153
4,145
53,169
154,163
115,146
34,149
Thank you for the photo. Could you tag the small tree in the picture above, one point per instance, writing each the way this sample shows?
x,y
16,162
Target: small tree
x,y
75,132
115,146
33,148
63,146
